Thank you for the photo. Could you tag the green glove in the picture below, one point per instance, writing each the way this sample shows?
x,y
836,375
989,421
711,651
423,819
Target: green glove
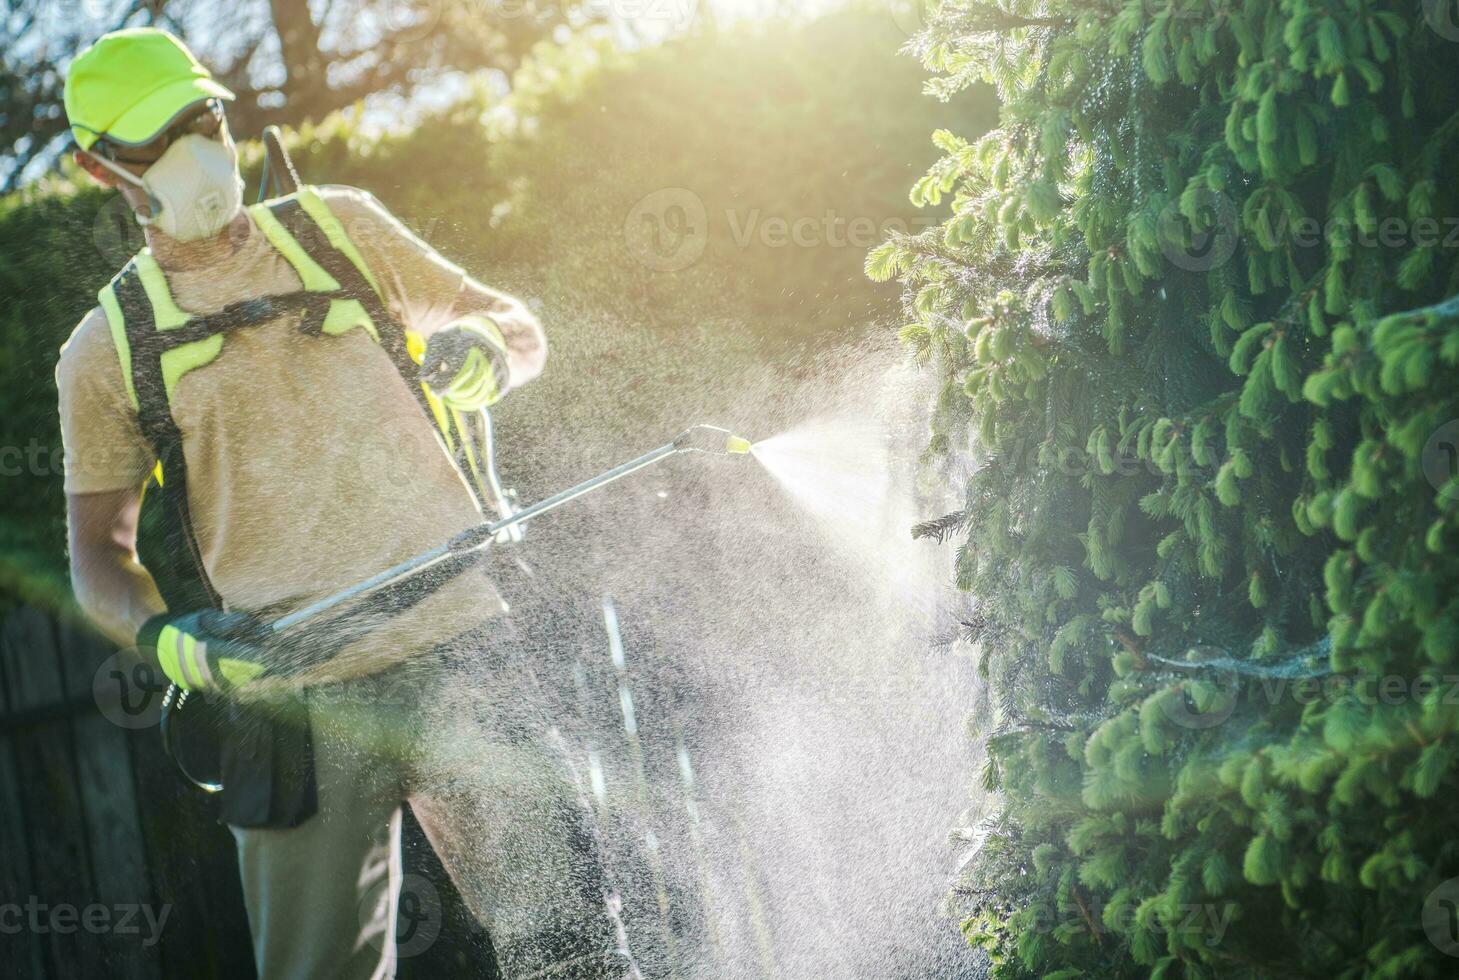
x,y
466,364
210,650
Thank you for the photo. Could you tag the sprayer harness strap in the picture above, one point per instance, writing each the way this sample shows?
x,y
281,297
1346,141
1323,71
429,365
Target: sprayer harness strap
x,y
161,432
352,284
157,342
326,245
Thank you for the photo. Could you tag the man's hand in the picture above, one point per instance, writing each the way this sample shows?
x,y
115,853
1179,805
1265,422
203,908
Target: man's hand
x,y
208,650
466,364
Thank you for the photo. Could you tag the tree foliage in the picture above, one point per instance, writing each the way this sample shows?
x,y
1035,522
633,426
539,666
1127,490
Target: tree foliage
x,y
286,60
1191,307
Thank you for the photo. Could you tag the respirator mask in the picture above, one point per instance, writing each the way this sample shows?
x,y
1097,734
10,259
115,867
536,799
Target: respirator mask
x,y
194,189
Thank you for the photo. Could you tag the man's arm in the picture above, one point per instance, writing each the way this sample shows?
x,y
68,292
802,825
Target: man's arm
x,y
107,461
111,585
426,291
526,343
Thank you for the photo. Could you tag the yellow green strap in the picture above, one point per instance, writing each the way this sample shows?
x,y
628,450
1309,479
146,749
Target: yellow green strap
x,y
315,207
344,314
118,324
184,659
169,316
311,273
166,312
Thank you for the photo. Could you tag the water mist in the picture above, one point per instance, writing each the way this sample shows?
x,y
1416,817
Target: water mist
x,y
757,669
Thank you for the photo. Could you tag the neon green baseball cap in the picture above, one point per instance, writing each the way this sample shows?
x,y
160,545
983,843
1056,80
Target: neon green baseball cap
x,y
132,84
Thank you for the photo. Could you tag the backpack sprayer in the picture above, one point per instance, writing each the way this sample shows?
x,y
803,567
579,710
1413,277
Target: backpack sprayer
x,y
279,170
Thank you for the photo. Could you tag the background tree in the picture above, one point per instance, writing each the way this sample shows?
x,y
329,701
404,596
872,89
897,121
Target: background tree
x,y
1212,528
287,61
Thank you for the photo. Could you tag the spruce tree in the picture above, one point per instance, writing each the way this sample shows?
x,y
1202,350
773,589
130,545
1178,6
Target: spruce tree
x,y
1193,313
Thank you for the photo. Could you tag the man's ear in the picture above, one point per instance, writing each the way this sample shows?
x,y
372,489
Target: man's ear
x,y
98,173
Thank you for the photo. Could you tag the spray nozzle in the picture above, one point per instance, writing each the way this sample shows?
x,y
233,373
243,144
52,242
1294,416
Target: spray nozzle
x,y
711,439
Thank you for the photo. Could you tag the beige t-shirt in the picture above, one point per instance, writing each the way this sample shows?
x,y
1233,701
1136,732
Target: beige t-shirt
x,y
311,465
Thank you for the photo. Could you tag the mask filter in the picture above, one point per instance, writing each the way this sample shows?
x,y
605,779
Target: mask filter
x,y
194,188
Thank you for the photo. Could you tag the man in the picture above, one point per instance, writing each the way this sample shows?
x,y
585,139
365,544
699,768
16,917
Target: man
x,y
302,370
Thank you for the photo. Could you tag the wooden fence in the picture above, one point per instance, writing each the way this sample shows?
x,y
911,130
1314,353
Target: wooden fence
x,y
112,867
110,864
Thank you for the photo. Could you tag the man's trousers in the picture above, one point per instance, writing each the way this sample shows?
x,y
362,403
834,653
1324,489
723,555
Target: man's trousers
x,y
466,737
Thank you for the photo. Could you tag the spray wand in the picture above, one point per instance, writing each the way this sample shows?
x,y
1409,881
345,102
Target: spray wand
x,y
699,439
